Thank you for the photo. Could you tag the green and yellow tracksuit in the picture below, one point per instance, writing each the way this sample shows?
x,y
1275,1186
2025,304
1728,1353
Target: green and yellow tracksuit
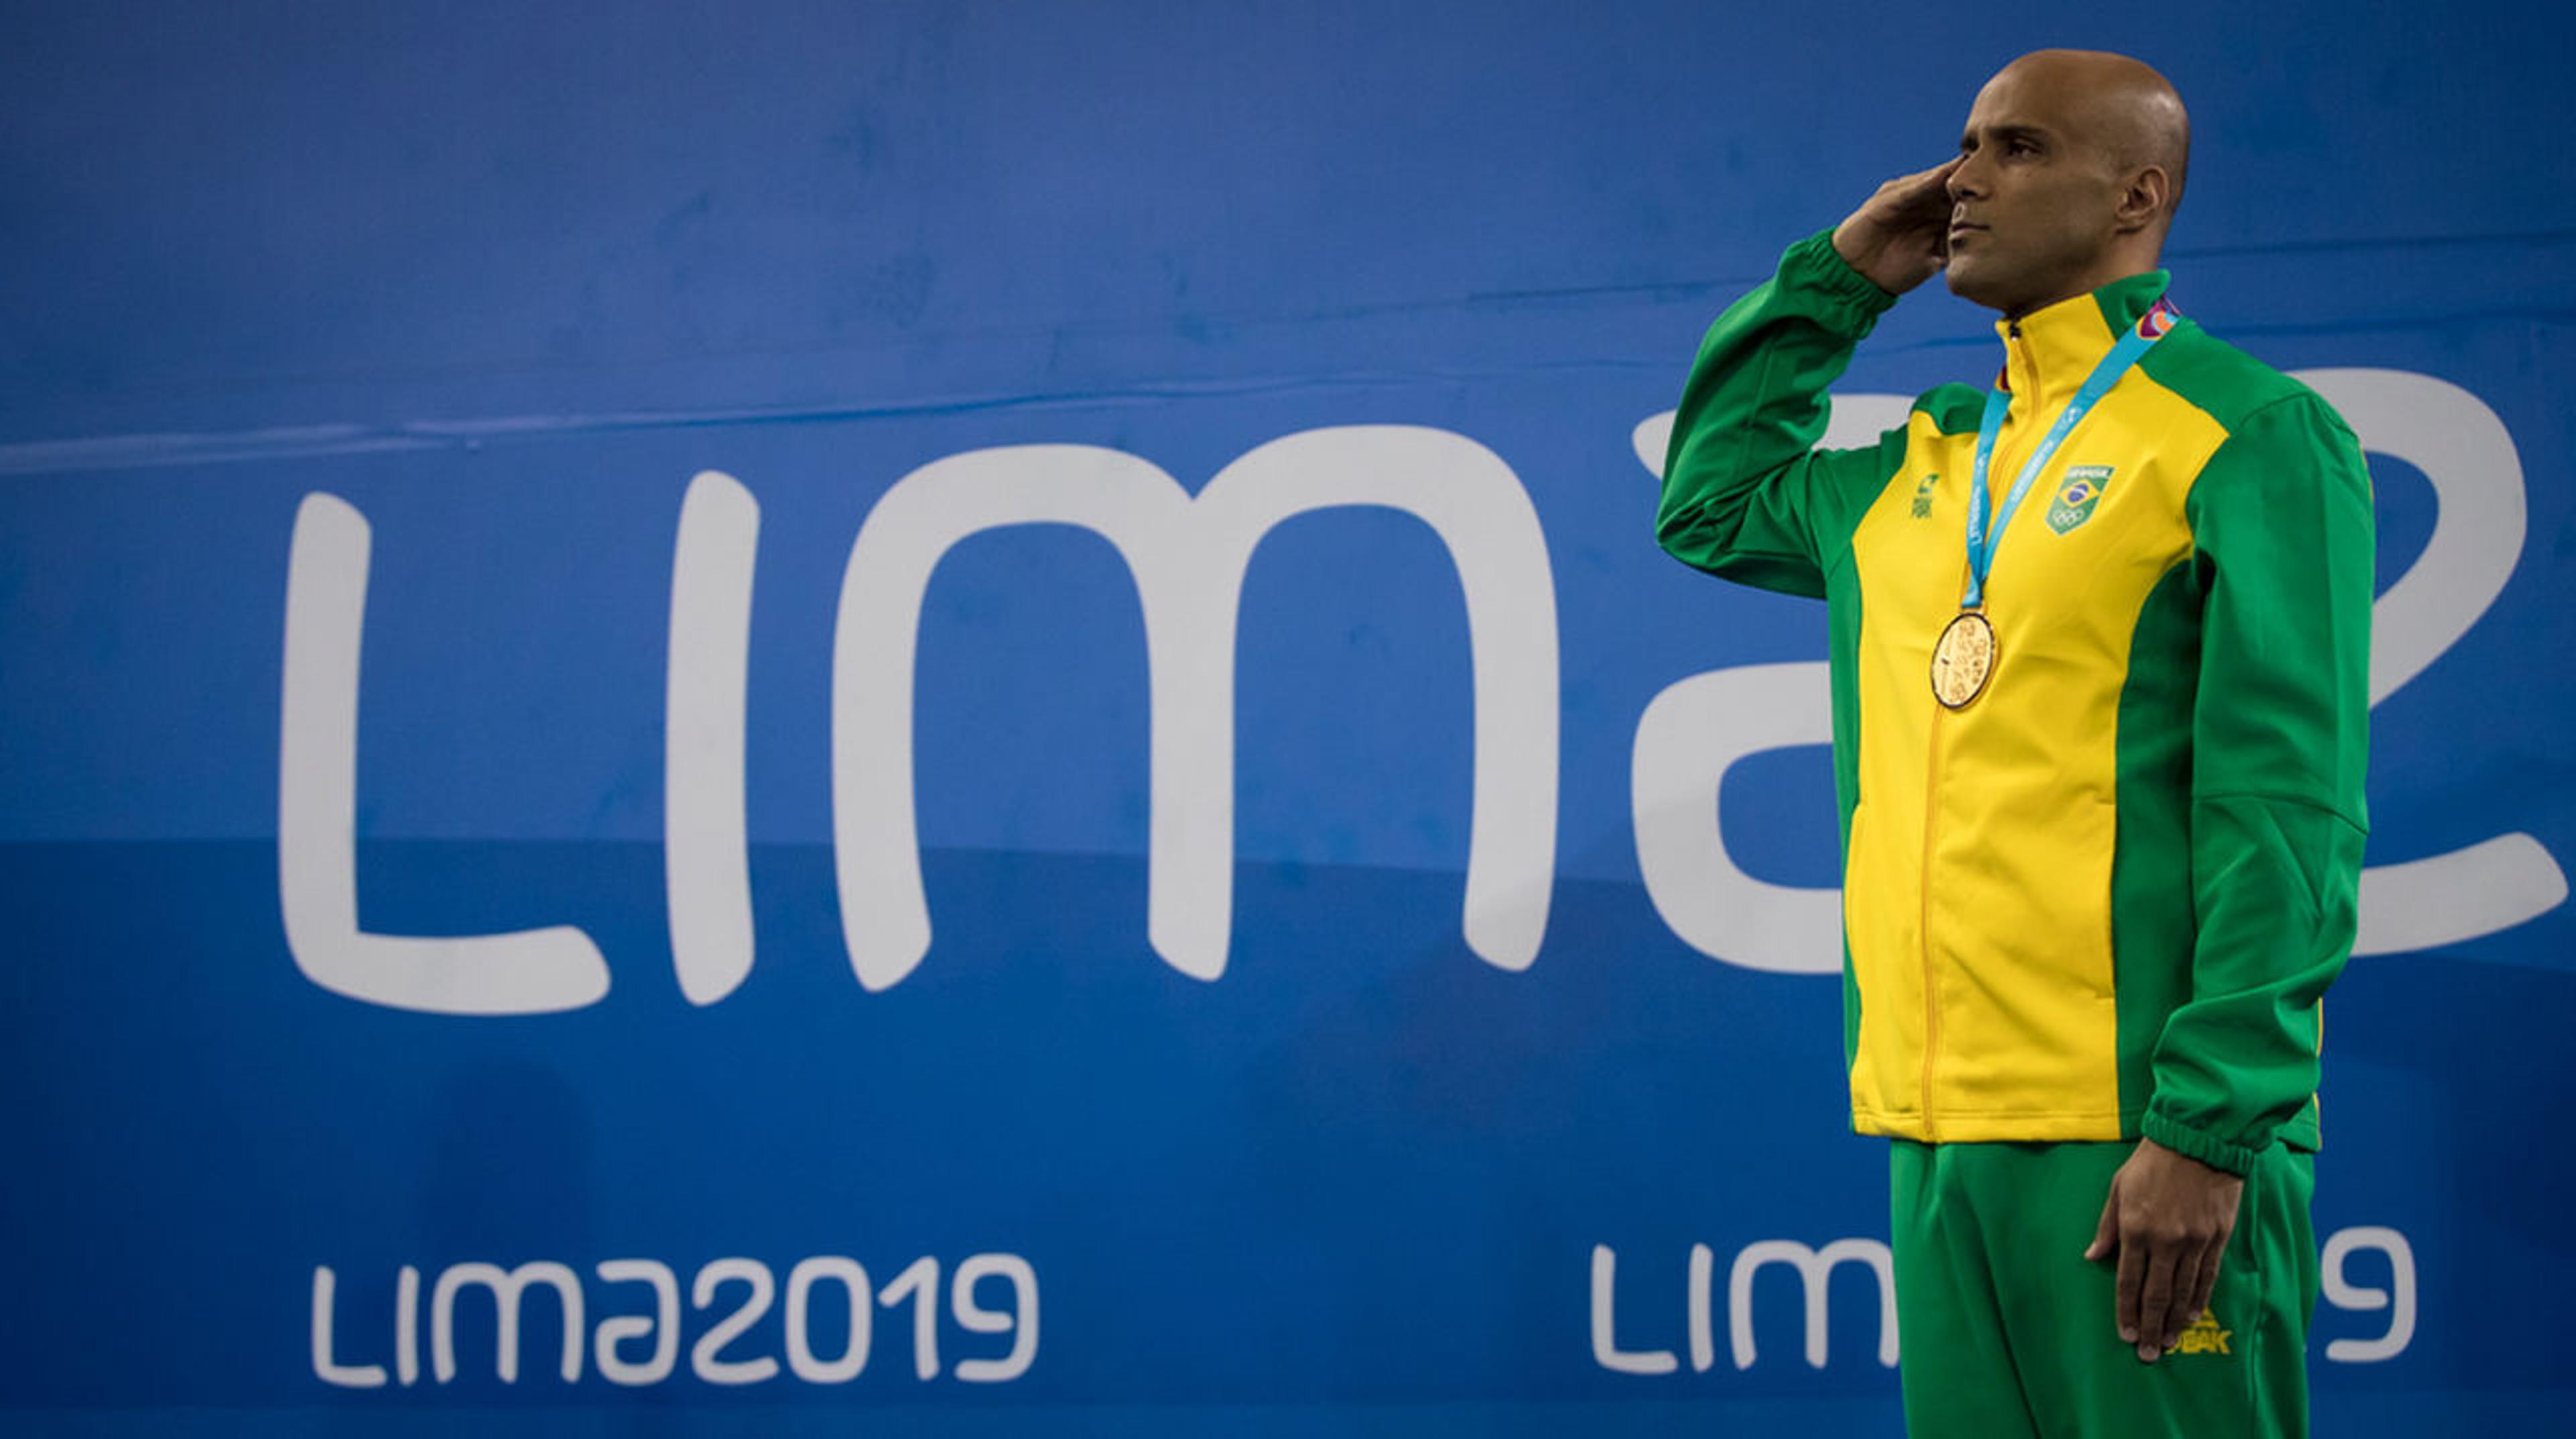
x,y
2104,899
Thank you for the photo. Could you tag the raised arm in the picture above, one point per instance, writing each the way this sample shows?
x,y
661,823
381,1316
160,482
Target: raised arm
x,y
1746,494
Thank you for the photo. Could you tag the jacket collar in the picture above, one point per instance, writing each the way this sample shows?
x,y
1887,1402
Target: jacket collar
x,y
2049,352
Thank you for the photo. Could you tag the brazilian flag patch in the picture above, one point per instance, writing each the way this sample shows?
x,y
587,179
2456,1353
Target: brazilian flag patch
x,y
2077,494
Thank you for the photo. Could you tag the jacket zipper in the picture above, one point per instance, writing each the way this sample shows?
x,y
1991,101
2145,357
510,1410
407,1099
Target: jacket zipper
x,y
1931,980
1931,831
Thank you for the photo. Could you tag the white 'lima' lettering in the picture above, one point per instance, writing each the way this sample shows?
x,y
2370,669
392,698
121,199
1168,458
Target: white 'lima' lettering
x,y
1188,557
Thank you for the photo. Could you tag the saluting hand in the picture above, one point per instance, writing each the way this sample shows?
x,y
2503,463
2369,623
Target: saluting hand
x,y
1900,237
2169,1216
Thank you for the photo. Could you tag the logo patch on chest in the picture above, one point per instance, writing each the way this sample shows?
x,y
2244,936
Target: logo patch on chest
x,y
2076,496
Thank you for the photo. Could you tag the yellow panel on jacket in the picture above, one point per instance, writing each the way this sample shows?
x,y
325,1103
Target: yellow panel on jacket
x,y
1992,826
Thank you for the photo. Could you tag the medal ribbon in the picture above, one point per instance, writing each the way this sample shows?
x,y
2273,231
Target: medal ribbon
x,y
1983,536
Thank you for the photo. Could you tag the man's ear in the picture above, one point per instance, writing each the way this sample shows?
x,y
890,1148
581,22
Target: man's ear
x,y
2147,196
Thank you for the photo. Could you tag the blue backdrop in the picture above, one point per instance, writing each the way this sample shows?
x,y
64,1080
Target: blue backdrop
x,y
467,473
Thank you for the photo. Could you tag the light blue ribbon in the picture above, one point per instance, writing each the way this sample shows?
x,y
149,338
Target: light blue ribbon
x,y
1984,536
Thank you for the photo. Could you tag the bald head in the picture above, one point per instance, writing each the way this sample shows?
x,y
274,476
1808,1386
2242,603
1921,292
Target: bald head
x,y
2118,104
2070,168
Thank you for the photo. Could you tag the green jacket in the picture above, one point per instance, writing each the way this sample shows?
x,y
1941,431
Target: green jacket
x,y
2104,898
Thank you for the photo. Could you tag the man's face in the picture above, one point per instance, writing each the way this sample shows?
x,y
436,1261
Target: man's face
x,y
2033,203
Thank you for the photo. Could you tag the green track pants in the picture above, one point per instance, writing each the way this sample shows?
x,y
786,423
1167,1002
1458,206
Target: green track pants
x,y
2007,1330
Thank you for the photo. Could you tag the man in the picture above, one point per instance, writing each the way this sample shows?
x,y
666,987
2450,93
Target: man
x,y
2099,758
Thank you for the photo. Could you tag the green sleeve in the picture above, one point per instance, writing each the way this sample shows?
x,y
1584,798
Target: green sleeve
x,y
2281,520
1746,495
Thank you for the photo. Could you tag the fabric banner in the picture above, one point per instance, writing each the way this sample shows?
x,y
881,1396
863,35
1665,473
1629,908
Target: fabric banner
x,y
737,719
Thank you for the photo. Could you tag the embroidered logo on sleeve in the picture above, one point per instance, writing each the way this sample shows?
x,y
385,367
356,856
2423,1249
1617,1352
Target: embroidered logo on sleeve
x,y
2076,496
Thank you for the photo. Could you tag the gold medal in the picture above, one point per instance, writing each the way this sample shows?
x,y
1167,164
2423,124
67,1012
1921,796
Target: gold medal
x,y
1963,659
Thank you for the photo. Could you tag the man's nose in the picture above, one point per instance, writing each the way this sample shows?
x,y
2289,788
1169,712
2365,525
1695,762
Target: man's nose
x,y
1967,182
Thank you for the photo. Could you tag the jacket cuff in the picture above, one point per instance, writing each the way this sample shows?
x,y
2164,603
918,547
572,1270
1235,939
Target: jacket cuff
x,y
1814,263
2209,1149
